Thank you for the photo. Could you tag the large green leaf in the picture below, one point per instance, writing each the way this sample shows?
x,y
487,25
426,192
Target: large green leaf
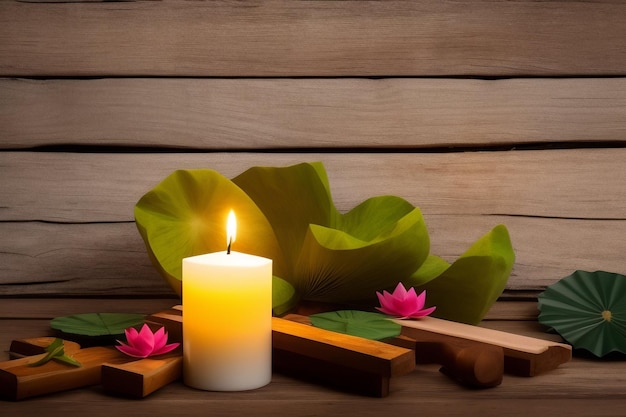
x,y
332,257
96,324
319,254
432,267
291,198
388,242
185,215
466,290
364,324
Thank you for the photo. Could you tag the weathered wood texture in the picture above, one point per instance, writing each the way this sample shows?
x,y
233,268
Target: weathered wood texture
x,y
68,218
396,113
321,38
310,113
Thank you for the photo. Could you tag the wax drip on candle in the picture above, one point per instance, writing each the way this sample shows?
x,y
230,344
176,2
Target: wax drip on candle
x,y
231,230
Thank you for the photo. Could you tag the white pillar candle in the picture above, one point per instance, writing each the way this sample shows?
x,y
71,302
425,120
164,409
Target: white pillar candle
x,y
227,321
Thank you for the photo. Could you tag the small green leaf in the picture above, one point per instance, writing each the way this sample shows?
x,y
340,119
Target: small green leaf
x,y
364,324
56,343
96,324
57,350
68,360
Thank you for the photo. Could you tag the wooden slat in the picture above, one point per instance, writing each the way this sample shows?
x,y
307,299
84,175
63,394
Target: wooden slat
x,y
110,259
321,38
84,259
87,187
49,308
310,113
564,210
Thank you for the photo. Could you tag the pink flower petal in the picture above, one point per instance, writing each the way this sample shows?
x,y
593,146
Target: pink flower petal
x,y
381,298
131,335
130,351
166,348
400,292
421,299
160,339
145,343
160,343
403,303
386,311
423,313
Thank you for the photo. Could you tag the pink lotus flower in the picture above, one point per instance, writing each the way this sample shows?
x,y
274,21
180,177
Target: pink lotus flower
x,y
403,304
145,343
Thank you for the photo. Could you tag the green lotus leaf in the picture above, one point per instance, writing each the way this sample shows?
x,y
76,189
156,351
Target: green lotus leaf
x,y
331,257
319,254
348,265
466,290
96,324
185,215
291,198
432,267
364,324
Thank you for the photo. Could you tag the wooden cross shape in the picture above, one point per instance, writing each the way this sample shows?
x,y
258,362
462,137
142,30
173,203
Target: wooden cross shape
x,y
20,380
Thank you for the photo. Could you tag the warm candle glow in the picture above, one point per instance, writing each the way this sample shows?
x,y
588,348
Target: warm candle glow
x,y
231,229
227,320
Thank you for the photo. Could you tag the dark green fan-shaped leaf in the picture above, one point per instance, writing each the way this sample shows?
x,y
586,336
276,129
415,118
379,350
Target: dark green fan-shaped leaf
x,y
588,309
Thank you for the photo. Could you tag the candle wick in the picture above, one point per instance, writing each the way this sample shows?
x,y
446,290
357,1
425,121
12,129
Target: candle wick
x,y
230,241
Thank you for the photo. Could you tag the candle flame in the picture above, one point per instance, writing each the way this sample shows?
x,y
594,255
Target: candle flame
x,y
231,230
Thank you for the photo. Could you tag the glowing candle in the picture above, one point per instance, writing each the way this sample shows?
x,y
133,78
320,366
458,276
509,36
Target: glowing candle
x,y
227,319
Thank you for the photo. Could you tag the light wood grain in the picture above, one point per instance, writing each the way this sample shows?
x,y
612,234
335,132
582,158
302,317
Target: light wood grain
x,y
228,114
564,210
110,259
47,309
322,38
525,356
91,259
19,380
140,378
87,187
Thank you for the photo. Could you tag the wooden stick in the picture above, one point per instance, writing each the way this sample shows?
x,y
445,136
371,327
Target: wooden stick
x,y
473,364
343,361
142,377
524,356
129,377
18,380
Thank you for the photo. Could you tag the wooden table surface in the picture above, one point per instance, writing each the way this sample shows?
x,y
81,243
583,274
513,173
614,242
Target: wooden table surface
x,y
582,387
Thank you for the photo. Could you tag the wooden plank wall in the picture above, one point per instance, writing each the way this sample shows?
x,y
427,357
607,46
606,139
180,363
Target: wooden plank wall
x,y
478,112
